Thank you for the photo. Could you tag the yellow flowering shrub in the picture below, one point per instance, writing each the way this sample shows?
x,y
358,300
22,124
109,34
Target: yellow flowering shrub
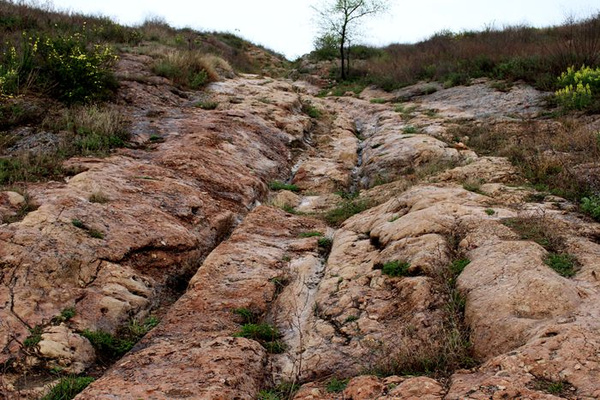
x,y
578,88
68,67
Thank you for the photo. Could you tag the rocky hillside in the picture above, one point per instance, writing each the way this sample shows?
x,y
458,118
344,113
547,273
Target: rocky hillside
x,y
262,238
338,247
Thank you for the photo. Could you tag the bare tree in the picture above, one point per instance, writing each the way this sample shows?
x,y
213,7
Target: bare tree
x,y
339,18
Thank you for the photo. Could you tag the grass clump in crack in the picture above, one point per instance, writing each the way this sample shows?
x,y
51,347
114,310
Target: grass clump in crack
x,y
267,335
283,391
345,209
563,264
336,385
278,185
591,205
35,336
311,111
396,268
110,346
68,387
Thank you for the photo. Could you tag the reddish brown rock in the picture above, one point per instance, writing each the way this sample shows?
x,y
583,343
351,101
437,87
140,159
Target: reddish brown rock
x,y
193,353
117,259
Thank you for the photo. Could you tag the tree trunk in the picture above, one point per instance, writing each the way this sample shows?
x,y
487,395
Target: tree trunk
x,y
342,55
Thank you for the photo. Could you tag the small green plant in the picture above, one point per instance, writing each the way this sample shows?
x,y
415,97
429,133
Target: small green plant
x,y
278,185
68,387
429,89
409,129
65,315
155,138
311,110
275,346
92,232
77,223
456,79
350,319
289,209
396,268
267,335
336,385
285,390
310,234
399,108
325,245
345,210
207,105
490,211
110,347
248,317
27,207
563,264
268,395
555,387
107,344
538,229
558,388
378,101
591,206
35,336
457,266
138,329
259,332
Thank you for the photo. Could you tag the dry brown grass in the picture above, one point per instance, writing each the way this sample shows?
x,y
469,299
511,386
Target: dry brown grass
x,y
517,52
560,156
81,130
190,69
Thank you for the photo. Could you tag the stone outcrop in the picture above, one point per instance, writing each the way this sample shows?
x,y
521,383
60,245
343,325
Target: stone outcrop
x,y
431,277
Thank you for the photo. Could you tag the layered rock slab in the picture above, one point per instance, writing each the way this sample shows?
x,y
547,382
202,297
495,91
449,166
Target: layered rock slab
x,y
163,208
193,353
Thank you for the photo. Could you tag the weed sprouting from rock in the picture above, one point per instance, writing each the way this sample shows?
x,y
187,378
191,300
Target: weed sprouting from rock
x,y
68,387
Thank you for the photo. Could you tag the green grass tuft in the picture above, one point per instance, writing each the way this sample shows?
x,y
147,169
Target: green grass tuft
x,y
68,387
336,385
563,264
310,234
345,210
591,206
396,268
278,185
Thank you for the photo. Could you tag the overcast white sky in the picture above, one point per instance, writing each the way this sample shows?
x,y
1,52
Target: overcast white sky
x,y
288,26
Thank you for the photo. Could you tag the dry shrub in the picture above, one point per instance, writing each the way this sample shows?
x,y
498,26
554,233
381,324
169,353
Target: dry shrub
x,y
536,55
189,69
156,29
82,130
549,154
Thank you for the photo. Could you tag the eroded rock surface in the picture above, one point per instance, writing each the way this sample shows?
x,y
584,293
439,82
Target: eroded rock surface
x,y
193,351
434,276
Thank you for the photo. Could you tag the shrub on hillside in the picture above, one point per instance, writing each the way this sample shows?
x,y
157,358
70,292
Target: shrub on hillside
x,y
578,88
65,66
189,70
